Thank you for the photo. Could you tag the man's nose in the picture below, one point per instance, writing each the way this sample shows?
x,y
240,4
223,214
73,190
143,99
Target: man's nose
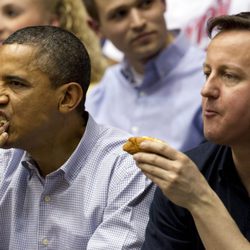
x,y
4,98
211,88
138,21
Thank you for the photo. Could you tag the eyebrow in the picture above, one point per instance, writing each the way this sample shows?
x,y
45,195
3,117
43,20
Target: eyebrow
x,y
124,6
114,9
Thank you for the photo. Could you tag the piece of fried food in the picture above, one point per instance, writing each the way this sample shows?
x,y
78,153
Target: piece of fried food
x,y
132,145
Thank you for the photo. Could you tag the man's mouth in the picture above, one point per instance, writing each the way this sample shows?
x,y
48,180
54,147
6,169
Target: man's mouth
x,y
4,123
142,37
210,112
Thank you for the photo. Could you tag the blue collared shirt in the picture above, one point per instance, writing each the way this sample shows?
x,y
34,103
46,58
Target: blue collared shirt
x,y
98,199
167,104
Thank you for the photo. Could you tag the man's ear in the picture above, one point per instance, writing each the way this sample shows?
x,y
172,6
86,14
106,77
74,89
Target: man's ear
x,y
95,26
70,95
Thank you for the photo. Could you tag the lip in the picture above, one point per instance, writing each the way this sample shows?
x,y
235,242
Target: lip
x,y
142,36
210,112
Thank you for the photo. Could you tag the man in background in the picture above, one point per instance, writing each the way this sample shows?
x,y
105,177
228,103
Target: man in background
x,y
155,90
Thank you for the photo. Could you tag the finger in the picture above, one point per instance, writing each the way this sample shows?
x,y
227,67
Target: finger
x,y
156,172
3,125
153,159
154,179
160,148
3,138
162,184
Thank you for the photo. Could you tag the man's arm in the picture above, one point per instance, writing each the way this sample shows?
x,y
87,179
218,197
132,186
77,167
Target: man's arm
x,y
216,227
181,181
126,214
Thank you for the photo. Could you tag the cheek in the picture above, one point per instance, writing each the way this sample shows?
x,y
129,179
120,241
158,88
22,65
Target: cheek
x,y
156,16
239,105
26,19
119,39
118,33
237,119
19,24
14,25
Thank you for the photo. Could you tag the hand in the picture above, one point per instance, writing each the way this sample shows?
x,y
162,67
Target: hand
x,y
3,133
175,173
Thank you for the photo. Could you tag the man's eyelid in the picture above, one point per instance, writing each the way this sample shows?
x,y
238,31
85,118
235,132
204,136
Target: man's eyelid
x,y
230,75
9,8
144,3
114,13
16,79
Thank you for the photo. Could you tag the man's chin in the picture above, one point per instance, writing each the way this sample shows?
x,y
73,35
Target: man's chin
x,y
215,138
149,55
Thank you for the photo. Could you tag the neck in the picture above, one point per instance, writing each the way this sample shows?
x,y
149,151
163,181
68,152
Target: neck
x,y
139,64
56,151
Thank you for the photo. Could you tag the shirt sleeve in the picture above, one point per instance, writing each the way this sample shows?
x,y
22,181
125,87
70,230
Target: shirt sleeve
x,y
127,210
170,227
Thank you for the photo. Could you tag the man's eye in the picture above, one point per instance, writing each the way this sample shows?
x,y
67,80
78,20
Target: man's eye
x,y
16,84
145,4
229,77
11,12
119,14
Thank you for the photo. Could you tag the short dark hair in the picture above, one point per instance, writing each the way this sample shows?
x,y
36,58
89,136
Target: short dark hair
x,y
239,21
60,54
91,8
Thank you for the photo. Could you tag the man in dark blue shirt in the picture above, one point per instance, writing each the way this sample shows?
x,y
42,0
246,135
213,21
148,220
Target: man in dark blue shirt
x,y
188,210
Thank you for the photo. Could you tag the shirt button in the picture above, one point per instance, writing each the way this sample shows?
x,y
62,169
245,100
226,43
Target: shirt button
x,y
45,242
47,198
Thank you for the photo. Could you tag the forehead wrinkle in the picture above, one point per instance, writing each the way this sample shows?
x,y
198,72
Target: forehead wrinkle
x,y
22,61
20,52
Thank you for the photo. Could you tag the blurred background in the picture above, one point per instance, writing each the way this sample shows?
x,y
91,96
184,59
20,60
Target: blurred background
x,y
191,15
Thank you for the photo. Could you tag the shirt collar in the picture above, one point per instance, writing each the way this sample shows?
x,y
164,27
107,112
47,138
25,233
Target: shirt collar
x,y
78,158
164,62
75,163
172,55
30,165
